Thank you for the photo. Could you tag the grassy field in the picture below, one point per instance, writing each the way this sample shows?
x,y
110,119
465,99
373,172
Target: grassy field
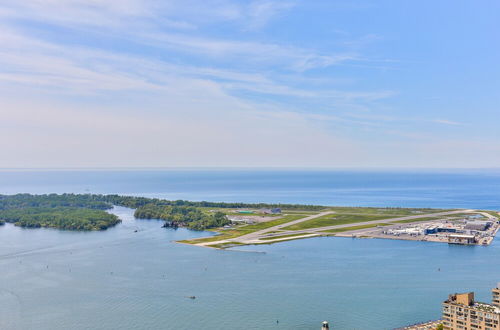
x,y
342,216
246,229
251,214
306,212
448,217
493,213
419,220
285,239
283,236
336,219
339,230
225,245
388,211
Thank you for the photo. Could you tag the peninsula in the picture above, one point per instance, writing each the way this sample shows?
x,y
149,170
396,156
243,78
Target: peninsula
x,y
246,223
461,226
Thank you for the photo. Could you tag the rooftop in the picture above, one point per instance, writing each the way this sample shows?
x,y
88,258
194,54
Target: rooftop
x,y
486,307
462,236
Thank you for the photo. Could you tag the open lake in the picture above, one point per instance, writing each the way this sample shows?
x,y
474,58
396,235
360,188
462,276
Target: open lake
x,y
123,279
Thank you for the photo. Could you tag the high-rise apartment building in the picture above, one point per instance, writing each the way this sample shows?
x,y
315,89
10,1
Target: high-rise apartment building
x,y
462,312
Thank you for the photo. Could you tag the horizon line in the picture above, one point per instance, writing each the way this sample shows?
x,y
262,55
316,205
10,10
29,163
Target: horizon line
x,y
187,168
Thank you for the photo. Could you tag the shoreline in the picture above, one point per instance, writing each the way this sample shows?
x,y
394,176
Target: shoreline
x,y
458,219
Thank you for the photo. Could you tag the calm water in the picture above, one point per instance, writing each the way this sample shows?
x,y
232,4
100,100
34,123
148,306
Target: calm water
x,y
122,279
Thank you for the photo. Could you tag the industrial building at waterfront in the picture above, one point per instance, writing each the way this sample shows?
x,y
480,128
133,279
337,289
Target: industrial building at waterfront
x,y
463,230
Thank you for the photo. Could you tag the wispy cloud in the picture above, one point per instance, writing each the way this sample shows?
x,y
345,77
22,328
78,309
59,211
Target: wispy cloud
x,y
177,14
161,68
81,70
163,25
261,12
447,122
270,55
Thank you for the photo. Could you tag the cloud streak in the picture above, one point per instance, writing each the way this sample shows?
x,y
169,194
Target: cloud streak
x,y
159,78
40,63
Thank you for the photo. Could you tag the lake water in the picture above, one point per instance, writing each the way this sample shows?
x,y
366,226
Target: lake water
x,y
122,279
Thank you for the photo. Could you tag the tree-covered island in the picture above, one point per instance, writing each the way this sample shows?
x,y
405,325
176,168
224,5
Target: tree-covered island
x,y
67,211
88,211
69,218
185,216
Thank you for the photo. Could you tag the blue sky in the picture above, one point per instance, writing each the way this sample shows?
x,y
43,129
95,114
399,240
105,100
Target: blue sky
x,y
130,83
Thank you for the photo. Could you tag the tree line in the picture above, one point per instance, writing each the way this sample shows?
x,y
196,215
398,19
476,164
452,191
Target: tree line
x,y
69,218
135,202
87,211
98,201
54,200
184,216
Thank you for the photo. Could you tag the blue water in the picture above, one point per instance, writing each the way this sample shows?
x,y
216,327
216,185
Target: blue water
x,y
475,189
122,279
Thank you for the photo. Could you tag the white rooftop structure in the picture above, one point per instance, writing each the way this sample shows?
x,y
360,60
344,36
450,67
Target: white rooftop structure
x,y
461,236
